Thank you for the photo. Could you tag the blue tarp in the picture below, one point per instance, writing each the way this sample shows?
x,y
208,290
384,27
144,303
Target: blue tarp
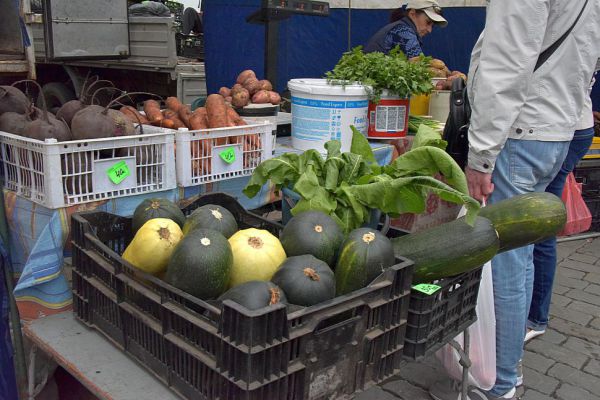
x,y
309,46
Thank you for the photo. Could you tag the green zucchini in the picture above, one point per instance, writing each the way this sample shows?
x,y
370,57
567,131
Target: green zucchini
x,y
448,249
525,219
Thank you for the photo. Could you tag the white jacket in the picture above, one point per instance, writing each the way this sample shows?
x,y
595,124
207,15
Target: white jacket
x,y
507,98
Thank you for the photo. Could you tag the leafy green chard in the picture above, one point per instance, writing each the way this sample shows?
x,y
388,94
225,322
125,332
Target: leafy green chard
x,y
348,185
378,71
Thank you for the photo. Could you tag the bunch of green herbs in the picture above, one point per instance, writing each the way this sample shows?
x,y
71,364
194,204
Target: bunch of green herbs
x,y
391,72
348,185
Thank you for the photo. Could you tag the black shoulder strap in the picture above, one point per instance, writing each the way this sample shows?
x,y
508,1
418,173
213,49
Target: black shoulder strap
x,y
550,50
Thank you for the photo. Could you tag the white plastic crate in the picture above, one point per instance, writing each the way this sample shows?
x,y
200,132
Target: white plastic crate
x,y
211,155
59,174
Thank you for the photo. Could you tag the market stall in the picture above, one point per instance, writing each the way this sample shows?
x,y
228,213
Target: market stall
x,y
152,203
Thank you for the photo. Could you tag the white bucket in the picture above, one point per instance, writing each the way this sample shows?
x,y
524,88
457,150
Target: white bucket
x,y
439,105
322,112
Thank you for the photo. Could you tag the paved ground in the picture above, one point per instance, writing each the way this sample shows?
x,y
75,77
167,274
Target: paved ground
x,y
562,364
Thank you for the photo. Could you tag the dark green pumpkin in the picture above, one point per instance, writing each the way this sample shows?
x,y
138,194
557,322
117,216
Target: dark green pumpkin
x,y
213,217
201,264
312,232
364,255
305,280
156,208
255,295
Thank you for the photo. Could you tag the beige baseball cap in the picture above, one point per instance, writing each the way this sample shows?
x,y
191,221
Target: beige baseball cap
x,y
431,8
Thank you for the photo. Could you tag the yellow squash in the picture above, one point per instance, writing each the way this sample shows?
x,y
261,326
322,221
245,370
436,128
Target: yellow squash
x,y
257,255
151,248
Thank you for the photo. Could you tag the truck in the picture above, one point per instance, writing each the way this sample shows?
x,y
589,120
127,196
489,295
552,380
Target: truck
x,y
61,42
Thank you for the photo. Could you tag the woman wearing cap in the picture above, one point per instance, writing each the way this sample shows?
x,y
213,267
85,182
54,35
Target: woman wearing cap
x,y
409,25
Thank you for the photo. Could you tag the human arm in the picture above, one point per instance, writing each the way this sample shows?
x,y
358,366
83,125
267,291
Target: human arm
x,y
405,37
510,47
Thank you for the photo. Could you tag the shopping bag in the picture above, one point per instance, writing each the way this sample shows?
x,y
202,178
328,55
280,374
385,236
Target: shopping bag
x,y
579,217
482,351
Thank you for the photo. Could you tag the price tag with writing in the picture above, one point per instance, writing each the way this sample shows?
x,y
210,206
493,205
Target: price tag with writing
x,y
118,172
427,288
228,155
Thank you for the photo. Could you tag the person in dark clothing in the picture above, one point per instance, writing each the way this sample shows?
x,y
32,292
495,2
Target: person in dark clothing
x,y
409,25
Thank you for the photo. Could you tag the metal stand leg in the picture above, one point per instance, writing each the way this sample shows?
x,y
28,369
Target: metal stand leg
x,y
464,361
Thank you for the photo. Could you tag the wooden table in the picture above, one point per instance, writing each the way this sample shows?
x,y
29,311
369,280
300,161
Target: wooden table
x,y
89,357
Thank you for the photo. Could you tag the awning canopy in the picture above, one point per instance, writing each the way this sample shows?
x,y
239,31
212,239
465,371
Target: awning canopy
x,y
390,4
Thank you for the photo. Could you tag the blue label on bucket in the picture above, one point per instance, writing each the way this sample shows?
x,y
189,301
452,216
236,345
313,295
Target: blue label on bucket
x,y
329,103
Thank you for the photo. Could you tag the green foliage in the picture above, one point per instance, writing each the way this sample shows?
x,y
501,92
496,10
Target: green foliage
x,y
392,72
347,185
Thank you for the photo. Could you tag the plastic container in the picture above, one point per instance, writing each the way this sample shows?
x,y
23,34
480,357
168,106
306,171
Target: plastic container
x,y
212,155
322,112
419,105
207,350
60,174
439,105
388,119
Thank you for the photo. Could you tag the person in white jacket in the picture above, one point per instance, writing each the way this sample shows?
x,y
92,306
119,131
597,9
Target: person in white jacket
x,y
522,122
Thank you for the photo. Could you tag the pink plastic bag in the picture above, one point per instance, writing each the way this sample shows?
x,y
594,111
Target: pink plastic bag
x,y
579,217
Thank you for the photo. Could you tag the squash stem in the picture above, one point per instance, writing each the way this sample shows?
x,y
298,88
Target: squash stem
x,y
312,274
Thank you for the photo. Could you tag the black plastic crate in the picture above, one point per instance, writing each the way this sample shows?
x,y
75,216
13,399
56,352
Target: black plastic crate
x,y
593,204
587,172
434,320
207,350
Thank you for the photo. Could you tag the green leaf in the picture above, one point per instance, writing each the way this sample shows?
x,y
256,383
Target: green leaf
x,y
282,171
333,166
321,200
429,161
427,136
402,195
360,145
334,148
355,214
355,167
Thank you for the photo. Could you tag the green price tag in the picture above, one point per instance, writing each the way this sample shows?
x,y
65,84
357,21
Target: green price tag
x,y
228,155
118,172
427,288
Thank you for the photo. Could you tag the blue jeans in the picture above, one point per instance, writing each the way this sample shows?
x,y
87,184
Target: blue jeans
x,y
522,166
544,253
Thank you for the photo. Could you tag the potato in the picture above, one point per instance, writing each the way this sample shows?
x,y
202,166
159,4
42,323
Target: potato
x,y
447,71
265,85
225,91
414,59
216,111
233,116
244,75
438,64
440,85
236,88
252,85
274,98
438,73
240,98
261,97
228,99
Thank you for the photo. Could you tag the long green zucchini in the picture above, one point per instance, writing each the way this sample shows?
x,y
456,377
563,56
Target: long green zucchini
x,y
448,249
526,219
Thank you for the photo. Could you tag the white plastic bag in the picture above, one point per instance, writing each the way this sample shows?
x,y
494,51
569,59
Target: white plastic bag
x,y
482,352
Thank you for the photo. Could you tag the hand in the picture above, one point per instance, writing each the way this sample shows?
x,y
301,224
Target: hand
x,y
596,116
480,184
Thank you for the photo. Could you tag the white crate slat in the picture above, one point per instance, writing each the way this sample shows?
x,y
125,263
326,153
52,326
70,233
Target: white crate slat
x,y
197,155
60,174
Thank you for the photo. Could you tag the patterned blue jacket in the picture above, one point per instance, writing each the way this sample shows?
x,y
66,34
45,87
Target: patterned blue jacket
x,y
402,32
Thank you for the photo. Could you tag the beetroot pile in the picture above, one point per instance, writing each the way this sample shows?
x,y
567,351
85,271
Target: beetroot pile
x,y
76,120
